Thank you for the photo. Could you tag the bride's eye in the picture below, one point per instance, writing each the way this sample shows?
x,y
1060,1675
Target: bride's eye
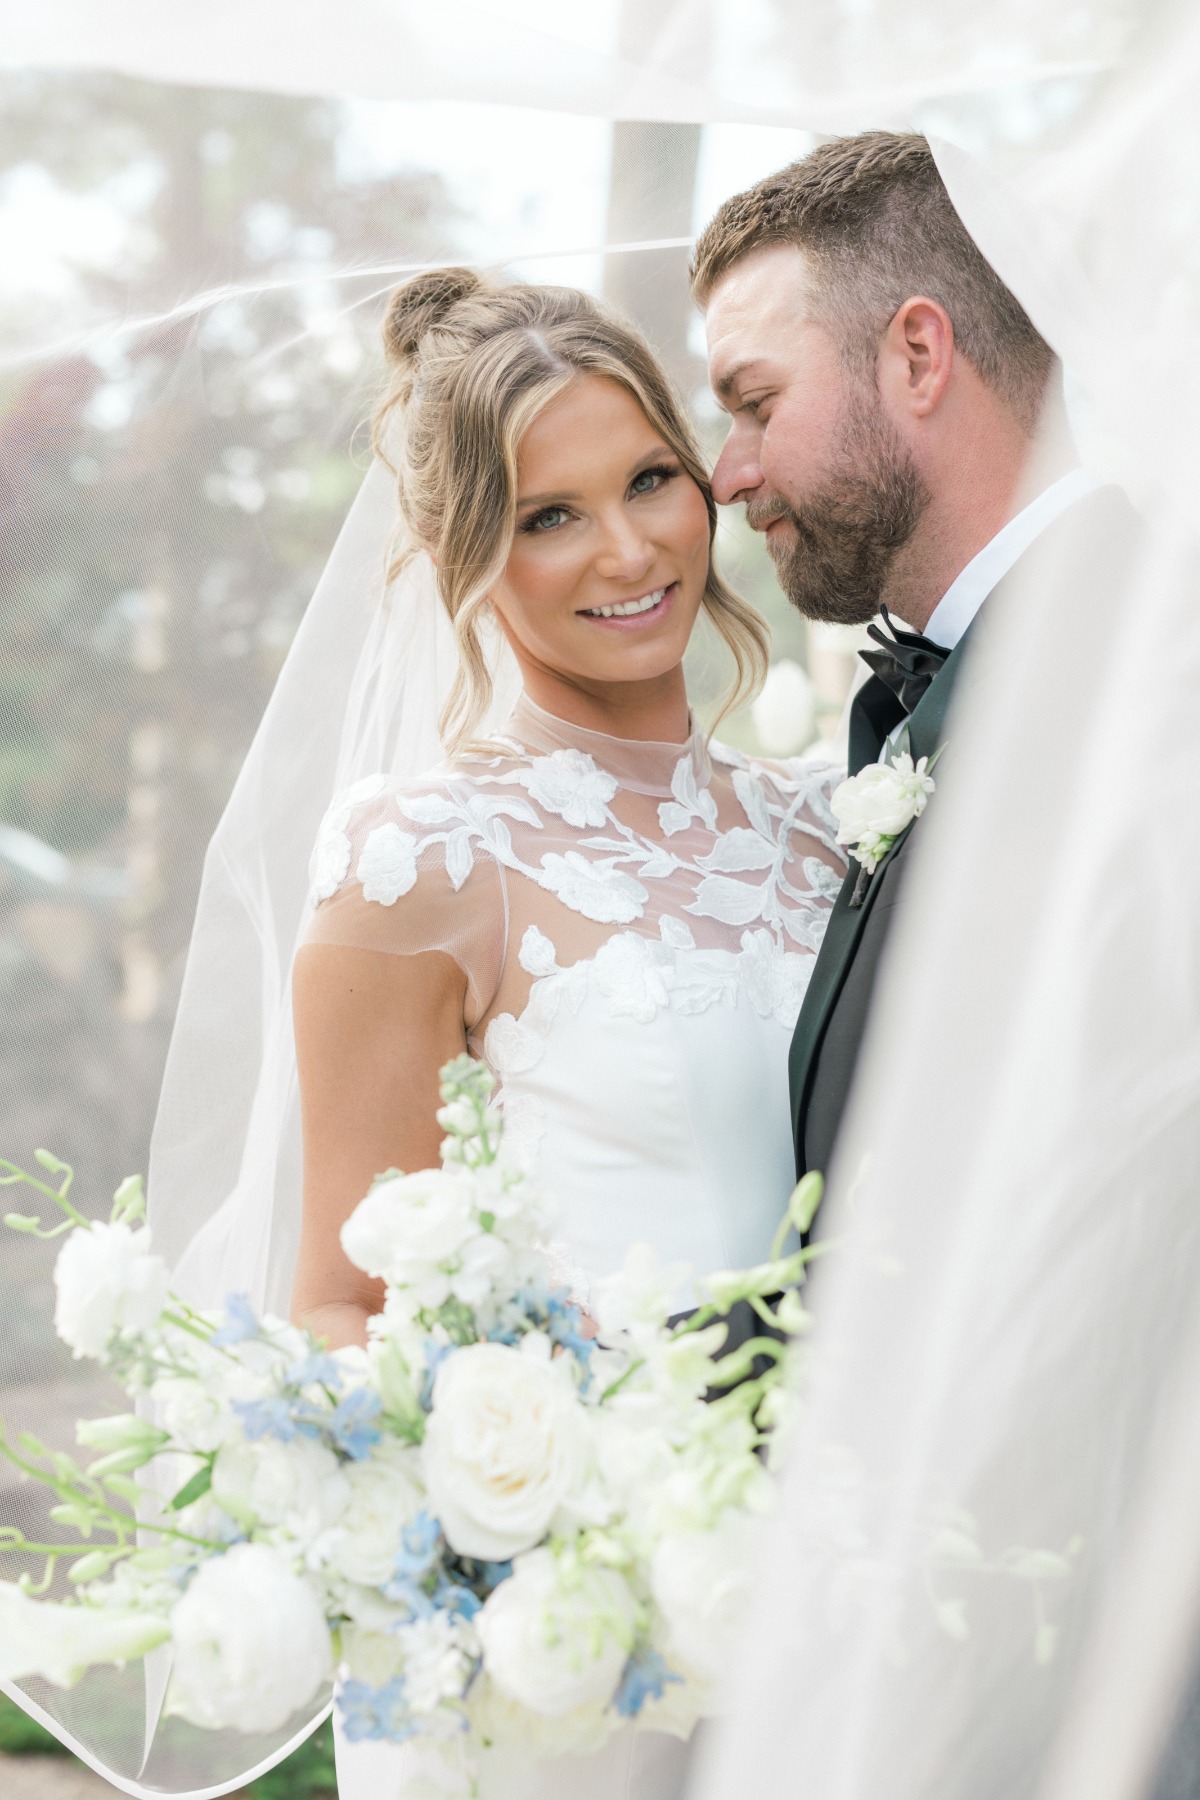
x,y
647,481
549,519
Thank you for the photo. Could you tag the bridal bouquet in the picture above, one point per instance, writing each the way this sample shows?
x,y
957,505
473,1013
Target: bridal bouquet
x,y
490,1529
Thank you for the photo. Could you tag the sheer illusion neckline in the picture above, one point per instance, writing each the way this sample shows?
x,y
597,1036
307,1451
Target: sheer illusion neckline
x,y
639,764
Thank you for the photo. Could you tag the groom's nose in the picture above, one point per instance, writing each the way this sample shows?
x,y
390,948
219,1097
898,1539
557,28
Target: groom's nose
x,y
738,474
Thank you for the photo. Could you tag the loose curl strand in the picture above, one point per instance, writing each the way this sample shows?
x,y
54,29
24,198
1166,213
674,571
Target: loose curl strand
x,y
472,366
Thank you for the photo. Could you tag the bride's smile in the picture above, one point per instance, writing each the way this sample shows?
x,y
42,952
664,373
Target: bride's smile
x,y
610,550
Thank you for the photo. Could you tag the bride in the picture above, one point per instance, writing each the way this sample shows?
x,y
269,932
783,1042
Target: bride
x,y
616,913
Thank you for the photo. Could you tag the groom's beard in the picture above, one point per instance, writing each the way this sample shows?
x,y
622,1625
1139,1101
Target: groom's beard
x,y
834,565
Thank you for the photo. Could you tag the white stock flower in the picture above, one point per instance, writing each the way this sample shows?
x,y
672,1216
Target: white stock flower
x,y
107,1281
250,1642
438,1656
555,1644
503,1446
298,1487
387,864
700,1581
411,1228
384,1496
568,783
38,1637
784,711
873,807
642,1295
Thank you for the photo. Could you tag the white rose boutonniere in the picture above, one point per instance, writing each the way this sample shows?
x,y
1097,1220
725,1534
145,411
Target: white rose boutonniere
x,y
873,807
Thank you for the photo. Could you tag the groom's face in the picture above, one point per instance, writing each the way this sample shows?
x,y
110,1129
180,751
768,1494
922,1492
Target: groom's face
x,y
811,452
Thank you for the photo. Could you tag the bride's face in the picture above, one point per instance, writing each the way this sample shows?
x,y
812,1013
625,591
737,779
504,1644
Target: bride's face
x,y
610,555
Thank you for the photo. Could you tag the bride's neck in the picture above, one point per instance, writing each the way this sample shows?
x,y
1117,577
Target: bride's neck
x,y
653,711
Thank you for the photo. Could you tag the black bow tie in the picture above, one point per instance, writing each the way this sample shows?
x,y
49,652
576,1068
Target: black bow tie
x,y
905,662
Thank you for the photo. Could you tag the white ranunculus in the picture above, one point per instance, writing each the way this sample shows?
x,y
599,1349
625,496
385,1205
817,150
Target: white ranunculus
x,y
107,1281
384,1496
503,1445
554,1645
251,1645
410,1229
881,801
38,1637
299,1487
784,711
700,1581
568,783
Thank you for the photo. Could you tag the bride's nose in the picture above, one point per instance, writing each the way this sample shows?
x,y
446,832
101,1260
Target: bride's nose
x,y
625,552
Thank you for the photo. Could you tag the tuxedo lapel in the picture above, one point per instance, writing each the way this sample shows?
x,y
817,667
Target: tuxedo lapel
x,y
875,714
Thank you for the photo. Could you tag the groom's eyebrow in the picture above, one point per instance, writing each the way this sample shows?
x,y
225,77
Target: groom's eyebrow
x,y
728,382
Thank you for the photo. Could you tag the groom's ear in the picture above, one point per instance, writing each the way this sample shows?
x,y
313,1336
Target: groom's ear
x,y
916,357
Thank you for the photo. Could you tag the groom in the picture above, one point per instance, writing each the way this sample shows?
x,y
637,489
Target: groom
x,y
897,432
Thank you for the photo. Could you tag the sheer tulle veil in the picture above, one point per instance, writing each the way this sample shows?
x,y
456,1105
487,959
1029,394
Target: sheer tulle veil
x,y
983,1579
360,693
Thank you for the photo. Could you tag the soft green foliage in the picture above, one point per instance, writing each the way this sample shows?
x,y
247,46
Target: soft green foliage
x,y
22,1736
308,1774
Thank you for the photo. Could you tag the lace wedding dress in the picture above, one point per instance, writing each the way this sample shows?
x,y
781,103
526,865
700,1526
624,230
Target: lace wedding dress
x,y
637,924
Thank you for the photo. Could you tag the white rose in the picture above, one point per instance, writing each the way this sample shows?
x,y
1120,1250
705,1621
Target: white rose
x,y
299,1487
194,1416
250,1641
700,1581
881,800
410,1229
784,712
384,1497
38,1637
567,782
503,1446
107,1282
554,1645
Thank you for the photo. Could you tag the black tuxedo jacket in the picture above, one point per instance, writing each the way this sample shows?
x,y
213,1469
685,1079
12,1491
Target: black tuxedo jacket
x,y
834,1016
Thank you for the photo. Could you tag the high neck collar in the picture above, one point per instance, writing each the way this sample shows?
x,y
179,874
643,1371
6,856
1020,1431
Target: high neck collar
x,y
637,763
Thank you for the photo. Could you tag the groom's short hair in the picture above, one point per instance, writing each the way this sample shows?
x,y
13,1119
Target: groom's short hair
x,y
873,215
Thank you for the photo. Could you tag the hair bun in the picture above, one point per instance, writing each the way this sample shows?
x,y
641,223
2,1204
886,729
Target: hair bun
x,y
422,303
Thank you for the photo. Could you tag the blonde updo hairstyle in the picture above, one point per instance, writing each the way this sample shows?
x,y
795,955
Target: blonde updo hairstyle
x,y
472,367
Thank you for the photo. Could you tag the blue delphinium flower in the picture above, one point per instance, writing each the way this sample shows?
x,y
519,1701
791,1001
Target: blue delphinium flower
x,y
435,1356
352,1424
381,1712
458,1601
644,1678
275,1417
241,1322
564,1320
317,1369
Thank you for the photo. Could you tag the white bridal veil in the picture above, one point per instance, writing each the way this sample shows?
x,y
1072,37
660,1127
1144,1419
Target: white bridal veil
x,y
985,1578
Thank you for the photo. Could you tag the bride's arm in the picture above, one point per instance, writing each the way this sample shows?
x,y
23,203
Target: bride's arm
x,y
372,1032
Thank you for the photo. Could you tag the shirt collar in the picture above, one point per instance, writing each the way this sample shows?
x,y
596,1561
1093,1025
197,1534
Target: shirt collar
x,y
967,592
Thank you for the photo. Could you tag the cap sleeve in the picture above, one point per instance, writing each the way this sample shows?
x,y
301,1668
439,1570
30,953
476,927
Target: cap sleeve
x,y
407,870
